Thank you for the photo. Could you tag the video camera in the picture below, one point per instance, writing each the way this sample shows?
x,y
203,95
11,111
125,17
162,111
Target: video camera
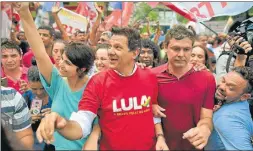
x,y
243,29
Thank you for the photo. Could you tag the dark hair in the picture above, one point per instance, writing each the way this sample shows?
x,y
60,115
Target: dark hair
x,y
247,74
81,55
50,29
207,60
57,35
33,74
133,37
7,44
146,43
179,32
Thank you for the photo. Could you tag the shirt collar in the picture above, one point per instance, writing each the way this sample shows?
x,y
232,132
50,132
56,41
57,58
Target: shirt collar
x,y
134,70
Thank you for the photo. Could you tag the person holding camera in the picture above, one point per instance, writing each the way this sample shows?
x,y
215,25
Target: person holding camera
x,y
239,50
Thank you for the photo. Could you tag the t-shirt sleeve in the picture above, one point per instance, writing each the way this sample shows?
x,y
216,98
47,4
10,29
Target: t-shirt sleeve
x,y
22,117
233,133
90,100
53,86
210,91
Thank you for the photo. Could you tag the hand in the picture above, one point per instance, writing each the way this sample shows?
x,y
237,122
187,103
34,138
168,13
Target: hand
x,y
198,136
158,111
23,86
216,108
55,9
142,65
199,67
48,125
36,118
90,145
45,111
99,10
161,144
245,45
20,6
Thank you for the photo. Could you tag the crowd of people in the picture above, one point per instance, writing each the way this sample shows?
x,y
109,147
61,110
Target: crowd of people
x,y
118,89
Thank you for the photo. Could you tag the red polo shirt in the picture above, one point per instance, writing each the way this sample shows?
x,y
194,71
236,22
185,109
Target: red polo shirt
x,y
183,99
13,84
27,59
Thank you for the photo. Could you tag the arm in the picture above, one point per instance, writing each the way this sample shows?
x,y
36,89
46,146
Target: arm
x,y
92,141
158,33
13,35
43,61
55,11
148,30
160,144
95,26
237,136
26,137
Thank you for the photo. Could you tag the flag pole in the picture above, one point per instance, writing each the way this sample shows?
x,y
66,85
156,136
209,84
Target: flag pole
x,y
209,28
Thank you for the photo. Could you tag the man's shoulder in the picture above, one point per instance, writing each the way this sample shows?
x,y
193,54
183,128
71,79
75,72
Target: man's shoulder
x,y
28,54
8,91
159,69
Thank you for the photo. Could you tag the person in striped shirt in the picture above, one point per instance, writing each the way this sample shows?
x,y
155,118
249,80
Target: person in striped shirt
x,y
16,116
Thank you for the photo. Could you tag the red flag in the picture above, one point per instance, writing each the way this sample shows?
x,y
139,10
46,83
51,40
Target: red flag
x,y
87,9
120,17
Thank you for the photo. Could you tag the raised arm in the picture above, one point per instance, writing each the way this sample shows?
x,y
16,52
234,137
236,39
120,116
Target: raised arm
x,y
55,10
148,27
43,61
95,26
158,33
13,35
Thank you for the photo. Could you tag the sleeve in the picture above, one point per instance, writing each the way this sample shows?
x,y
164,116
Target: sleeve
x,y
53,86
221,66
208,101
22,117
85,120
233,133
90,100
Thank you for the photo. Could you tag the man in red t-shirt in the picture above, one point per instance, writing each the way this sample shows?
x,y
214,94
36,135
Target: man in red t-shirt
x,y
186,96
122,98
47,36
11,67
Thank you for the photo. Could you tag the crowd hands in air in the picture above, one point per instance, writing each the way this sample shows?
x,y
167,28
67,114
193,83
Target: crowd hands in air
x,y
117,89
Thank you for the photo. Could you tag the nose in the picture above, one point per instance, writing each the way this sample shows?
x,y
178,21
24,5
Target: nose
x,y
145,54
111,51
221,87
181,53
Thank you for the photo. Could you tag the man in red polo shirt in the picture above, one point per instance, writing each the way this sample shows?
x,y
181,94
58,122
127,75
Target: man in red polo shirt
x,y
186,96
121,97
47,36
11,67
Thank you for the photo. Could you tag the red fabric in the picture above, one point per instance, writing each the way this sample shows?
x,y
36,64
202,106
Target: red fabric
x,y
27,59
183,99
118,17
124,125
16,85
180,11
153,4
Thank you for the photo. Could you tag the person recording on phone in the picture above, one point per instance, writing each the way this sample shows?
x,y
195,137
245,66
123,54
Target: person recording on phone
x,y
38,101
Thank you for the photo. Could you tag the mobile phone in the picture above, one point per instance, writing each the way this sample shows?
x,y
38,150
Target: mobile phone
x,y
36,106
4,82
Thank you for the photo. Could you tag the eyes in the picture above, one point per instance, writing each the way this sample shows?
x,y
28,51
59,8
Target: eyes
x,y
177,49
199,56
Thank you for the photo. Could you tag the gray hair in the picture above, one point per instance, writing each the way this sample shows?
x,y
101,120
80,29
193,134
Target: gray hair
x,y
33,74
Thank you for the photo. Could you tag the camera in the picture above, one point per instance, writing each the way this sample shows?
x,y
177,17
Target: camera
x,y
243,29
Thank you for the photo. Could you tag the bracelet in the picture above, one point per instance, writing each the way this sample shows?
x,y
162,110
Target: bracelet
x,y
159,135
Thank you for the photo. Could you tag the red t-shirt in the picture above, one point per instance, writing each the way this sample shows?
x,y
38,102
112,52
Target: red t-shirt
x,y
117,100
16,85
27,59
183,99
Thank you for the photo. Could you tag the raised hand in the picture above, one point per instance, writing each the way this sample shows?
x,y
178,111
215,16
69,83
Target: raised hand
x,y
99,10
55,9
20,6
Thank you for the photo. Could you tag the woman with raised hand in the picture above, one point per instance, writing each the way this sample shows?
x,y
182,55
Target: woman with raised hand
x,y
76,61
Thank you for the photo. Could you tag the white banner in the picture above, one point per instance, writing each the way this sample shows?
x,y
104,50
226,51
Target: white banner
x,y
72,21
206,10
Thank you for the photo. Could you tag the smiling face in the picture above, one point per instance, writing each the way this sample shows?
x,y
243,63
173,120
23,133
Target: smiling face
x,y
179,52
119,54
10,59
102,59
67,68
231,87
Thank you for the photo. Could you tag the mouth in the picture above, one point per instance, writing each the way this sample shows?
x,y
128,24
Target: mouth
x,y
220,94
113,60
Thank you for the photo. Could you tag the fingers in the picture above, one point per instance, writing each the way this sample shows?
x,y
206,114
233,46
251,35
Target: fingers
x,y
189,134
201,146
161,114
197,143
46,110
160,108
